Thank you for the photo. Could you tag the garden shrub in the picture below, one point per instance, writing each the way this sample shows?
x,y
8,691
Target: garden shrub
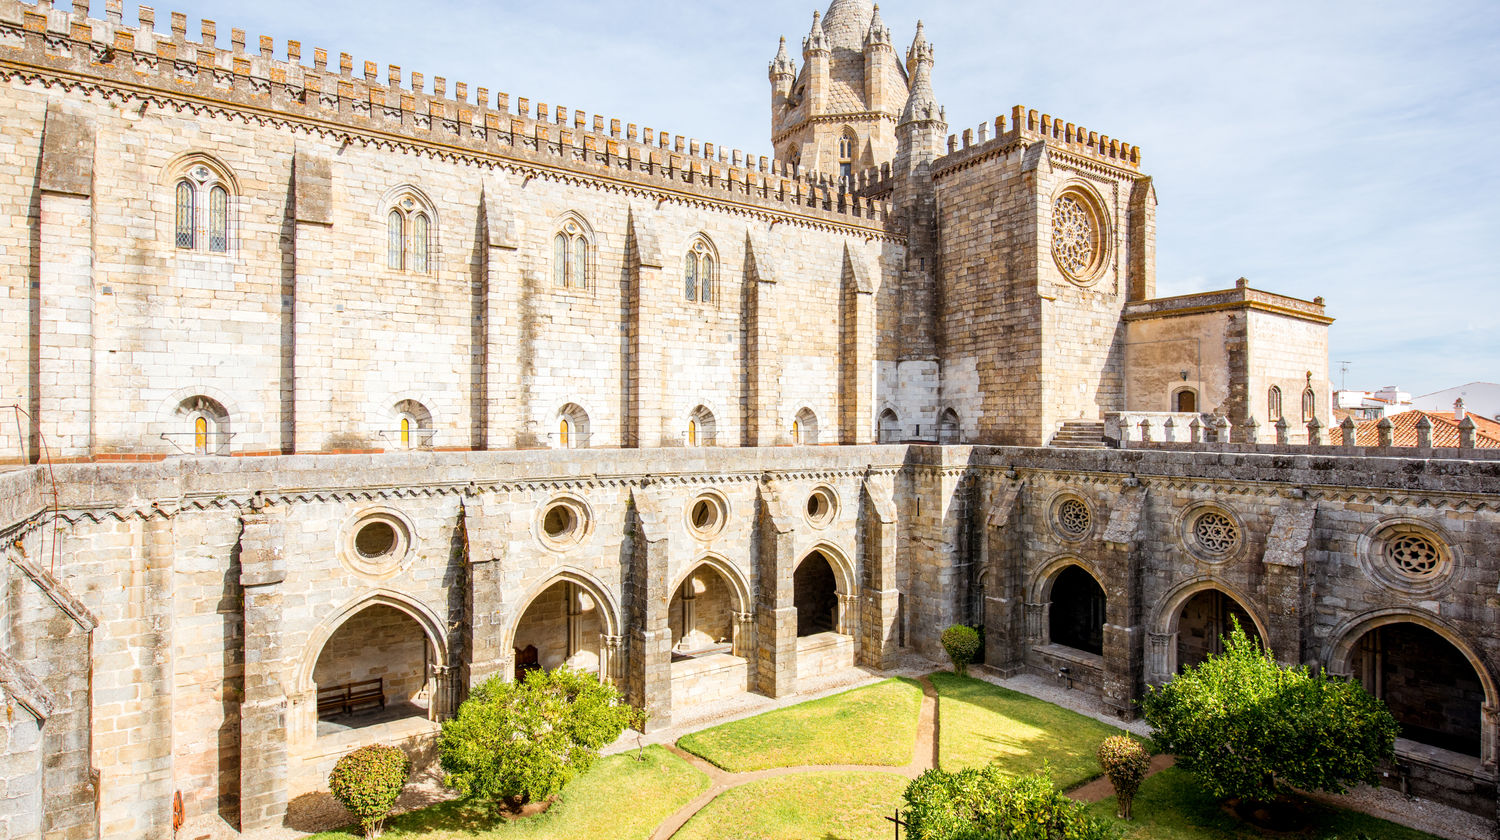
x,y
1250,728
962,644
368,781
1125,762
986,804
523,741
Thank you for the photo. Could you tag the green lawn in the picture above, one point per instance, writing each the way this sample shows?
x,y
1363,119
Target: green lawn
x,y
619,798
981,723
876,724
824,806
1171,806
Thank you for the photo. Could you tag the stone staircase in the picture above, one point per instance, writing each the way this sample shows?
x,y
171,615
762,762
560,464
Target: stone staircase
x,y
1080,434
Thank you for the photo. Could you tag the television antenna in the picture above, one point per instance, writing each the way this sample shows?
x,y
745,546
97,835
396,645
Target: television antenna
x,y
1344,376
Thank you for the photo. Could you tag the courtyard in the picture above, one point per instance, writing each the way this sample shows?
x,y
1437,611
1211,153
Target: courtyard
x,y
836,766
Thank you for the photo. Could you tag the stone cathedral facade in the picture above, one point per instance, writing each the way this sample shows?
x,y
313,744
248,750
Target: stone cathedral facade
x,y
338,389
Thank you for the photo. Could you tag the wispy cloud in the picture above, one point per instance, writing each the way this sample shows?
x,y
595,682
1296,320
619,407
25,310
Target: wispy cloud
x,y
1334,148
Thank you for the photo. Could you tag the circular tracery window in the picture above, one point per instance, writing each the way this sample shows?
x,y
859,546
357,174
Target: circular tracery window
x,y
1073,517
1077,236
1216,533
376,542
822,504
564,522
706,516
1414,556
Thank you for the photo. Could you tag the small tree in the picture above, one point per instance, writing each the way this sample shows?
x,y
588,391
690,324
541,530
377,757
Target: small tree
x,y
962,644
523,741
1250,729
367,782
1125,762
986,804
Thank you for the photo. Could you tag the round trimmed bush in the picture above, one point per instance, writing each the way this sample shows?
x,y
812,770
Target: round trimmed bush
x,y
368,782
1125,762
962,644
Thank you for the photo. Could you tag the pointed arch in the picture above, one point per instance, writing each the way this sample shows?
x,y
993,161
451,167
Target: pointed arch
x,y
1339,653
411,226
574,252
1169,612
432,626
805,427
204,201
843,568
888,427
739,586
700,270
609,609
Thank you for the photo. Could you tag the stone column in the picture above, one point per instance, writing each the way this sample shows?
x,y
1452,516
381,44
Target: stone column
x,y
645,425
689,609
63,405
1489,736
610,658
1036,622
500,418
1287,601
776,666
312,378
878,641
484,609
857,353
1124,635
649,683
574,620
1005,627
1162,661
744,634
264,708
762,343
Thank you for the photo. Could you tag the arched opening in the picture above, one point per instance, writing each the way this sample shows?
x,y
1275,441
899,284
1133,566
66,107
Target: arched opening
x,y
701,615
805,427
710,634
1309,405
701,427
563,625
1185,401
413,425
888,427
1273,404
1076,611
376,668
572,428
204,428
1429,684
948,427
1203,622
815,594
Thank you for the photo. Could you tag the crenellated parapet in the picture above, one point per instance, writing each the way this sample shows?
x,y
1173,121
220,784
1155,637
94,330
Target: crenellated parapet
x,y
454,122
1028,125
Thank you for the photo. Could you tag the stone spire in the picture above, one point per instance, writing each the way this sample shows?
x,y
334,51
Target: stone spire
x,y
847,22
816,40
878,32
782,64
921,104
919,49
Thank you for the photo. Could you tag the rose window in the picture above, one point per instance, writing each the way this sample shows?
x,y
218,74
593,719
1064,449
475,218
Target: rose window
x,y
1075,236
1413,555
1073,517
1216,533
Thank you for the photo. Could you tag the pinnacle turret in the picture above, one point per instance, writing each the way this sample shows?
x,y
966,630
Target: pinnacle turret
x,y
920,50
782,64
817,39
878,33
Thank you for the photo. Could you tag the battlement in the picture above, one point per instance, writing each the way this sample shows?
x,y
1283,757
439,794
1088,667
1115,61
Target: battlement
x,y
106,49
1029,124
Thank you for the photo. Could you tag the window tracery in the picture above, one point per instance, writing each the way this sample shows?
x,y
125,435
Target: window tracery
x,y
570,257
202,216
699,271
408,226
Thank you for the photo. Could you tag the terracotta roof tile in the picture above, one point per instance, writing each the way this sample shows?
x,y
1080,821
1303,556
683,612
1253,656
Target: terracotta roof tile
x,y
1404,430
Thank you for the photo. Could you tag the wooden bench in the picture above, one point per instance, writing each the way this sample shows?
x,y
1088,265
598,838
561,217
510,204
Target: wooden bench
x,y
347,697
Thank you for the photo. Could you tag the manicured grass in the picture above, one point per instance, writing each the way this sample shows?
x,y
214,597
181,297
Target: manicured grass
x,y
876,724
846,806
981,723
1171,806
618,798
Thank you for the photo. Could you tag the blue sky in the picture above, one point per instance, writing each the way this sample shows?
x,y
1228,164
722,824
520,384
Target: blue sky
x,y
1342,149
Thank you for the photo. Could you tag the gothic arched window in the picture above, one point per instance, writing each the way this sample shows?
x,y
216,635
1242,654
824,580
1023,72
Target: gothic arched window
x,y
408,235
203,213
570,257
699,272
846,156
1273,404
1309,405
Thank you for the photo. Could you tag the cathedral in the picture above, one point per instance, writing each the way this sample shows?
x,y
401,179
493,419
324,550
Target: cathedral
x,y
338,389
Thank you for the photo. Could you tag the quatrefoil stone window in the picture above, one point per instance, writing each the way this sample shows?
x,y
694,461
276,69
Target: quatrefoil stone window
x,y
1077,236
1216,533
1073,517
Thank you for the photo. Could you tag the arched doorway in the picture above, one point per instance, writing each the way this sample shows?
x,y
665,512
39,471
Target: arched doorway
x,y
377,667
1076,611
711,632
569,622
1429,684
1185,401
1202,623
815,593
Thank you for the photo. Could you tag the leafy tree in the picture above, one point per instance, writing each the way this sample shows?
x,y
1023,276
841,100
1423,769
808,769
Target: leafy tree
x,y
962,644
1125,762
523,741
368,781
1250,729
986,804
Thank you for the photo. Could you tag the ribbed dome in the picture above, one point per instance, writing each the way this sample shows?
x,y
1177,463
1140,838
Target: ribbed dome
x,y
846,23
